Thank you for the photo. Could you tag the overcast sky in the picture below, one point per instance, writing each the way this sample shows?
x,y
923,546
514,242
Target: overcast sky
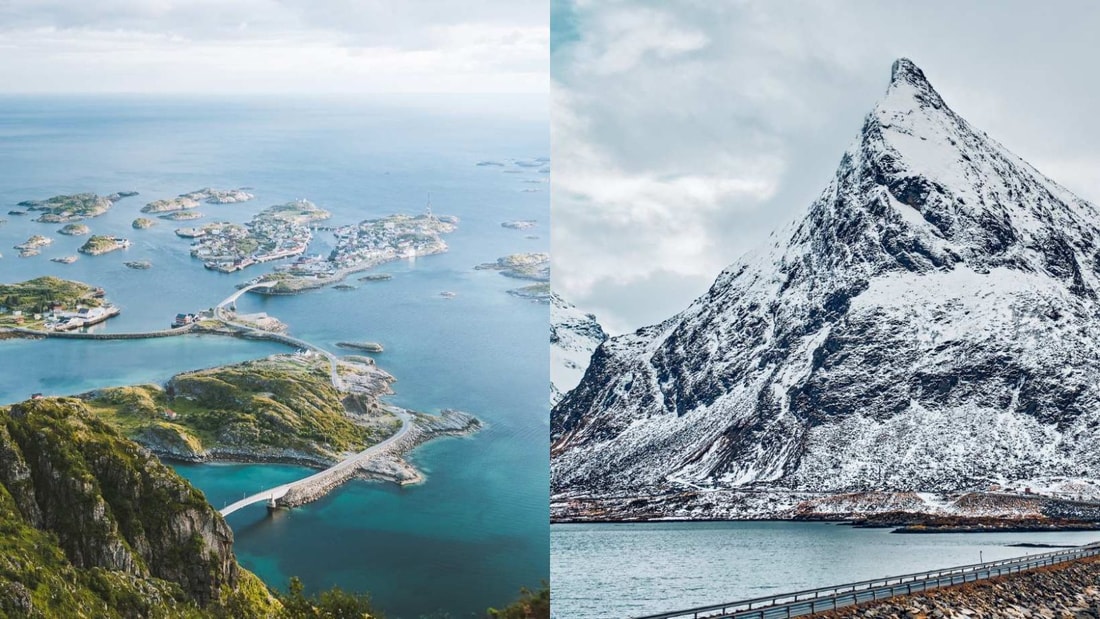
x,y
685,132
273,46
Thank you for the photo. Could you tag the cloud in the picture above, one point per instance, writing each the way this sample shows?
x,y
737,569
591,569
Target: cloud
x,y
273,46
685,132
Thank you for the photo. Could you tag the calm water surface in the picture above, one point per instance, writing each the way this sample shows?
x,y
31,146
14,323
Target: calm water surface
x,y
476,531
625,570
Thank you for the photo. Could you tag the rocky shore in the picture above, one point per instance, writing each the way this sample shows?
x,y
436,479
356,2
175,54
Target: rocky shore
x,y
1069,590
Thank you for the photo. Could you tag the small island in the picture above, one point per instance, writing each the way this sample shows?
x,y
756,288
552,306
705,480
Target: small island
x,y
100,244
276,232
64,259
364,346
33,246
142,223
182,215
284,408
535,292
520,224
74,230
139,265
169,205
534,266
192,199
51,303
376,277
75,207
219,196
362,246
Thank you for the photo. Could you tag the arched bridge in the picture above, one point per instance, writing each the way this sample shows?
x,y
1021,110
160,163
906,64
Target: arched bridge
x,y
328,477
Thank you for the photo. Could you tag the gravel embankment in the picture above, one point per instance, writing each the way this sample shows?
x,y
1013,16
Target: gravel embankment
x,y
1067,591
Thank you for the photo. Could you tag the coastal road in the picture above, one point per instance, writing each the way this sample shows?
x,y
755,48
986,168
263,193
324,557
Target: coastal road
x,y
812,601
220,314
341,468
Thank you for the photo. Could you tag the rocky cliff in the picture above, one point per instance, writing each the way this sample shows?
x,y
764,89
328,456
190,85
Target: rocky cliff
x,y
573,336
94,525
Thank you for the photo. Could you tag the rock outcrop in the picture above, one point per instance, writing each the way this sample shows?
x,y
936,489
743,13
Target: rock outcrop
x,y
121,531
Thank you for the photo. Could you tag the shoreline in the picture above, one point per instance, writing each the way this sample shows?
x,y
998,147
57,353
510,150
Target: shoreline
x,y
903,513
854,523
381,461
340,274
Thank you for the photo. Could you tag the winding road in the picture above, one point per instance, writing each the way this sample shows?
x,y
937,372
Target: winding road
x,y
221,314
342,468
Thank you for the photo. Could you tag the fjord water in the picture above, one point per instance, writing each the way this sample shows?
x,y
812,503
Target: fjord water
x,y
476,531
679,565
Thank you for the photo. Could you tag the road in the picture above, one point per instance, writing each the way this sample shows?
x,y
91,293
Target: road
x,y
804,603
345,466
221,314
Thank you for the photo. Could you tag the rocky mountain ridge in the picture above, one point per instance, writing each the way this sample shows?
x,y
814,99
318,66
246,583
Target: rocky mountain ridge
x,y
929,325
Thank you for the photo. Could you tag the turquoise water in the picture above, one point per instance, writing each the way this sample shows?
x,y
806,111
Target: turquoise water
x,y
673,566
477,530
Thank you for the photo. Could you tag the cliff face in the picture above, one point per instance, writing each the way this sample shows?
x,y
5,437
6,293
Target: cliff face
x,y
573,336
929,324
105,518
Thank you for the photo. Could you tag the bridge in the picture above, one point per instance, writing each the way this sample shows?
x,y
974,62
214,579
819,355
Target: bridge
x,y
327,478
236,295
805,603
254,333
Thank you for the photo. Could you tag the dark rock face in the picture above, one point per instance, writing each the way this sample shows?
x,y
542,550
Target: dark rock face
x,y
930,324
111,504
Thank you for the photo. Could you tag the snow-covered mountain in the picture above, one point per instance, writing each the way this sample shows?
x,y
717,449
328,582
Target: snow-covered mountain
x,y
573,336
930,324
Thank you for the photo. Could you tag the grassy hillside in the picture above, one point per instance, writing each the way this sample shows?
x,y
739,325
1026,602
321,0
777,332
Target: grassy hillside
x,y
37,294
267,406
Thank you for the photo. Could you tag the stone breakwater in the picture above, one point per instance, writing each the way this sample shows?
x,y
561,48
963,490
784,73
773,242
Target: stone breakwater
x,y
386,464
1068,590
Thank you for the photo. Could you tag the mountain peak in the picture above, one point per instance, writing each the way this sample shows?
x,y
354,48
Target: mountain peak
x,y
906,70
937,304
906,77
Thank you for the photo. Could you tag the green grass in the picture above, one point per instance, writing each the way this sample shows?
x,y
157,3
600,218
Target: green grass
x,y
281,402
36,295
75,496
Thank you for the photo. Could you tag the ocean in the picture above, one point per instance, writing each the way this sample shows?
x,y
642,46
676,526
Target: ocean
x,y
473,533
664,567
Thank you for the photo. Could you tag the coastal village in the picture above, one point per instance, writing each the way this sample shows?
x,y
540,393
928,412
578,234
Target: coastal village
x,y
53,304
277,232
365,245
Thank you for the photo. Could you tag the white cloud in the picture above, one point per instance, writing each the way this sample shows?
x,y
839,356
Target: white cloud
x,y
685,132
336,46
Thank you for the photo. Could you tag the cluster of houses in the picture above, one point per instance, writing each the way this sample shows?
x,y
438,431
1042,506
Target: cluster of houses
x,y
379,240
182,320
59,320
232,247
